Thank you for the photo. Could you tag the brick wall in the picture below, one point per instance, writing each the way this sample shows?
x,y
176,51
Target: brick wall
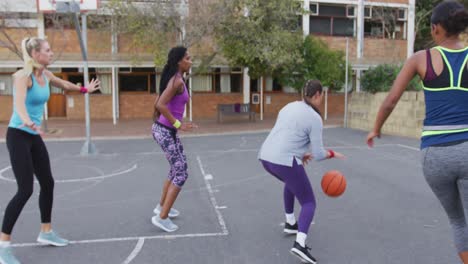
x,y
374,48
100,106
136,105
387,48
405,120
278,101
6,107
205,104
67,41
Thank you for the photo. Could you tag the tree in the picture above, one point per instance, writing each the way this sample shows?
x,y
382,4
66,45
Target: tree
x,y
155,26
14,26
261,35
317,62
423,37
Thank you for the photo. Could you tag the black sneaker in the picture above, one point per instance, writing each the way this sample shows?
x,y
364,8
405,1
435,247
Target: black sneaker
x,y
303,253
290,229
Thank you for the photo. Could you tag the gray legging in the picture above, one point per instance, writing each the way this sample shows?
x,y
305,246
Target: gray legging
x,y
446,171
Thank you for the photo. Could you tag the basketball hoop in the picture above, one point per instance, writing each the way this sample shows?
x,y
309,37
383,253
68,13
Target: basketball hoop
x,y
66,6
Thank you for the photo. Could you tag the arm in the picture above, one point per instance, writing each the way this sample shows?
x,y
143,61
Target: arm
x,y
66,85
316,142
407,73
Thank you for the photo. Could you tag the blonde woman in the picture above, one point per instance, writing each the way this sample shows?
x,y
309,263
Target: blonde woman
x,y
28,153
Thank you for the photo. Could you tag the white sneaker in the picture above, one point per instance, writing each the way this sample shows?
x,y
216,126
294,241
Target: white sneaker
x,y
165,224
172,213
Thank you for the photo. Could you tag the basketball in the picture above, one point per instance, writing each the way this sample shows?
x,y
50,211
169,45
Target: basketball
x,y
333,183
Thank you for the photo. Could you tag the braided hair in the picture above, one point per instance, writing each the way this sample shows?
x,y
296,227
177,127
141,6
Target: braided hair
x,y
175,55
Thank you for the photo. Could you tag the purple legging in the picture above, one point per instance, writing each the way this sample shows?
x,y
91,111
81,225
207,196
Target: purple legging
x,y
170,143
296,184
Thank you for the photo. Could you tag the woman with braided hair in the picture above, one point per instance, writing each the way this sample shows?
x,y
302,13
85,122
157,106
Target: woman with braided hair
x,y
169,110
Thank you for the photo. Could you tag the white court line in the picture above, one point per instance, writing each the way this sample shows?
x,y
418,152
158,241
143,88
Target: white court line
x,y
122,239
408,147
135,251
134,167
212,198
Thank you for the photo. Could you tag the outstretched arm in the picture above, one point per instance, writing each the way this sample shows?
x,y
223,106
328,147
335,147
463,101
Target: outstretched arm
x,y
66,85
407,73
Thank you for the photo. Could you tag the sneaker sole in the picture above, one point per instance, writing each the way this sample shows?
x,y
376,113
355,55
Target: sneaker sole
x,y
156,212
162,227
290,231
302,256
50,243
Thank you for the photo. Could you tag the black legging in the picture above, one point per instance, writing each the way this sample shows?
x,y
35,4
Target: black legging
x,y
28,156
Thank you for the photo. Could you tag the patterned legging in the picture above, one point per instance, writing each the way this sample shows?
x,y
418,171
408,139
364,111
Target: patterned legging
x,y
170,143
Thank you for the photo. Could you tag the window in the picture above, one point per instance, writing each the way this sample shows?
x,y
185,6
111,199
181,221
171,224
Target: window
x,y
330,10
335,20
6,84
350,11
367,12
134,83
343,27
272,85
386,22
219,80
402,14
314,8
373,28
138,79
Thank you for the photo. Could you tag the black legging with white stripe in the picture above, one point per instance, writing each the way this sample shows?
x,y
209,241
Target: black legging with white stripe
x,y
28,156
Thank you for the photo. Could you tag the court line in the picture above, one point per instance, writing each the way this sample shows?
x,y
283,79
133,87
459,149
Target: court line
x,y
135,251
134,167
408,147
122,239
221,221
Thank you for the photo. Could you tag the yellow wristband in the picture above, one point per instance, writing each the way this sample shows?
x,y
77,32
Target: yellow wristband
x,y
177,124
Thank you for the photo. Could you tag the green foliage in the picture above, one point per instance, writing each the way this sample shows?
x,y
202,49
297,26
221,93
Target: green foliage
x,y
153,29
423,22
262,35
318,62
380,79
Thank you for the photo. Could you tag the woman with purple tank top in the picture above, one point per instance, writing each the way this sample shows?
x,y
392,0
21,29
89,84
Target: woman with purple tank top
x,y
297,131
169,110
444,140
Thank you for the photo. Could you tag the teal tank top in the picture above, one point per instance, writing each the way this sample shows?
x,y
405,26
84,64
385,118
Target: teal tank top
x,y
36,97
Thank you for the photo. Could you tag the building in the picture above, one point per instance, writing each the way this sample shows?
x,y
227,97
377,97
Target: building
x,y
128,88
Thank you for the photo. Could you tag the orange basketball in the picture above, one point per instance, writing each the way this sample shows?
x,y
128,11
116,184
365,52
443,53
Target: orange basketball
x,y
333,183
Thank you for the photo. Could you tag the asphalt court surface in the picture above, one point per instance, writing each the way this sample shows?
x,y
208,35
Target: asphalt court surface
x,y
231,209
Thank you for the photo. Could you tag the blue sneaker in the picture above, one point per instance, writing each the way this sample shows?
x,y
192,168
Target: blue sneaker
x,y
7,257
51,238
172,213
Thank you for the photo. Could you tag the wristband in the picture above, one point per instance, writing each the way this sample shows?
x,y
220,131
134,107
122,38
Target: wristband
x,y
177,124
83,90
331,153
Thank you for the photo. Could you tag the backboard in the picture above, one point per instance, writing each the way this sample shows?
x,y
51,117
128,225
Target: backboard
x,y
50,6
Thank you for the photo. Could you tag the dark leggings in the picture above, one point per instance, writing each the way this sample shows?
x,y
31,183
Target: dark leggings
x,y
28,156
296,184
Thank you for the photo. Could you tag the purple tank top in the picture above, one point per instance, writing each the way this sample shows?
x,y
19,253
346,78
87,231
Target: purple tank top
x,y
177,106
430,73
